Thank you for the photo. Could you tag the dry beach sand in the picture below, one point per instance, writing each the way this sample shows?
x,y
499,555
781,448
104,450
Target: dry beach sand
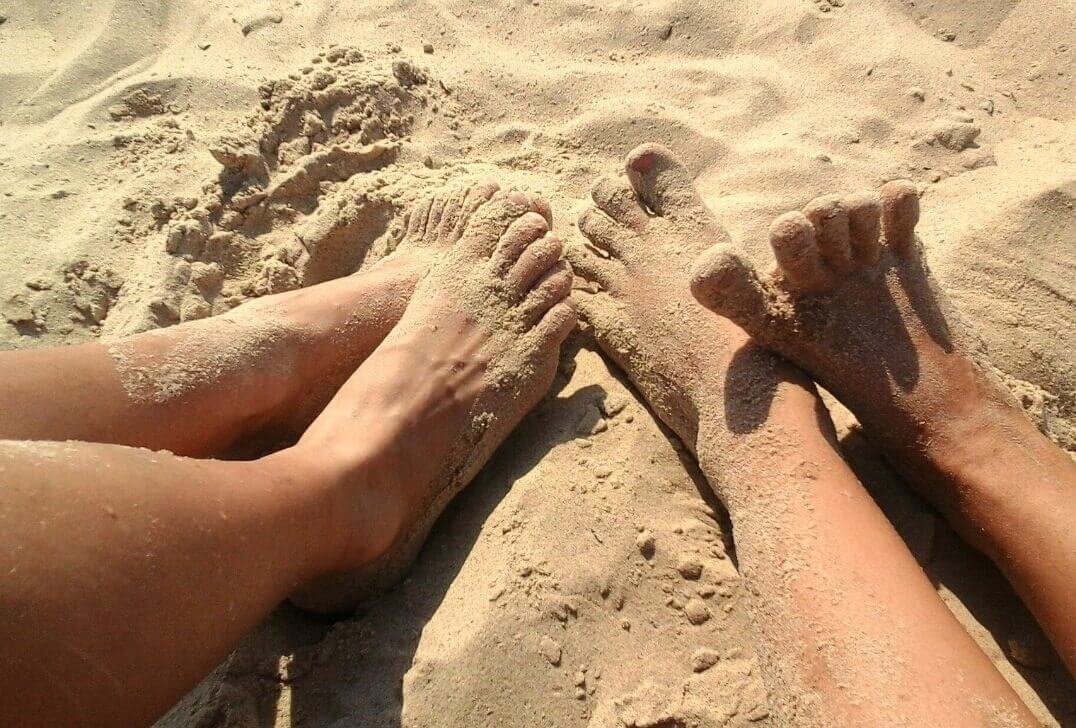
x,y
163,160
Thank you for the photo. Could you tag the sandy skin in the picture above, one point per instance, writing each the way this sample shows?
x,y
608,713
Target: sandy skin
x,y
853,303
260,372
801,521
115,556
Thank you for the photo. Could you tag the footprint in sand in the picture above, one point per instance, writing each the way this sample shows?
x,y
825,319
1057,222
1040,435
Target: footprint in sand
x,y
306,188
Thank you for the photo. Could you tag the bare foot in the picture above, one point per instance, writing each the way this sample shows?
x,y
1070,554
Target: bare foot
x,y
476,349
337,324
262,371
695,369
852,302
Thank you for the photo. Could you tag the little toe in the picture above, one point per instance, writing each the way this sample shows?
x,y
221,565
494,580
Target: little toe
x,y
726,283
534,261
830,220
554,286
591,267
900,214
599,310
792,237
602,231
662,181
864,224
616,198
520,234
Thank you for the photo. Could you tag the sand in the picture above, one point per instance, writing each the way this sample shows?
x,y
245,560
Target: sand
x,y
560,589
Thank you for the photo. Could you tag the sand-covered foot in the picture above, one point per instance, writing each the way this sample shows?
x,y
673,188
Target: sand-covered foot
x,y
852,302
342,321
475,350
281,358
643,233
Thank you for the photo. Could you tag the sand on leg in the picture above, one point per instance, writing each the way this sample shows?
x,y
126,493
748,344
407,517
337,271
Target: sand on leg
x,y
853,303
128,574
266,368
841,641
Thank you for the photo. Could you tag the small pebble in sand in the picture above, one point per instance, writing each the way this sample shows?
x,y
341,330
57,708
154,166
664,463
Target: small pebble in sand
x,y
261,21
203,46
917,93
1029,648
665,31
550,649
646,544
427,47
689,568
696,611
703,659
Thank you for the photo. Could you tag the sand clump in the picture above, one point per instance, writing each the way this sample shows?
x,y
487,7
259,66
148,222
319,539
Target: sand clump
x,y
240,164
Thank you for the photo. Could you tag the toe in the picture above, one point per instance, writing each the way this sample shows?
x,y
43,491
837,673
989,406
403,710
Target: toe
x,y
592,268
792,238
662,181
599,310
451,213
556,324
864,223
900,214
417,216
515,240
551,288
477,196
602,231
490,222
616,198
726,283
437,208
830,220
535,260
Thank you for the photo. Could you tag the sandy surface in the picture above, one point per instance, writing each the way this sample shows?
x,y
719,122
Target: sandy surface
x,y
531,604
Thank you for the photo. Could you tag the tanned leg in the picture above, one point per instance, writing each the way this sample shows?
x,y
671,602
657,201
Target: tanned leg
x,y
266,367
852,302
850,631
125,575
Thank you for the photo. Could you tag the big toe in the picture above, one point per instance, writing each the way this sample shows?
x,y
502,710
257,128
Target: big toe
x,y
489,224
662,181
725,282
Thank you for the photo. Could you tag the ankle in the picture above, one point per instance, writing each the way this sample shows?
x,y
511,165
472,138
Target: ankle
x,y
983,467
364,499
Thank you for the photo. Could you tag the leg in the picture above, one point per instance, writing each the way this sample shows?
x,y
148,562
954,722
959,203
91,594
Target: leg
x,y
268,365
880,335
842,641
126,592
126,575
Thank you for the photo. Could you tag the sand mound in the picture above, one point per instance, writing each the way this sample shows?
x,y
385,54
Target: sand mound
x,y
150,174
